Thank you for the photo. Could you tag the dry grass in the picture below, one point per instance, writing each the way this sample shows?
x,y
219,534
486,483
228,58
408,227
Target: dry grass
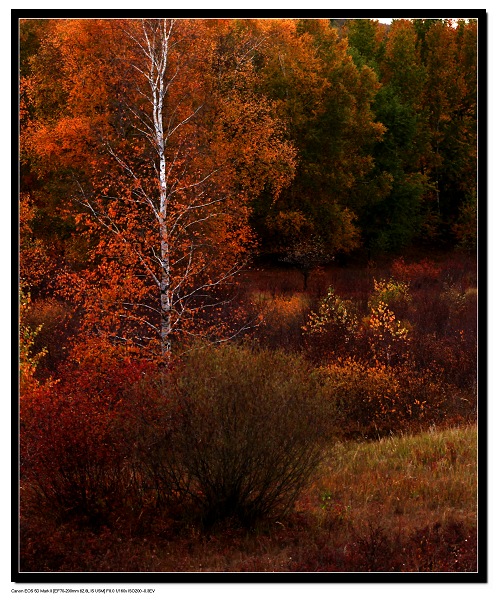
x,y
405,503
414,480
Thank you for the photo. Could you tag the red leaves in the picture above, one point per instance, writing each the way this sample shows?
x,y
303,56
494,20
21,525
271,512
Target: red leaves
x,y
424,271
73,446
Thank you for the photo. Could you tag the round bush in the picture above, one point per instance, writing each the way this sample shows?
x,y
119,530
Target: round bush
x,y
250,433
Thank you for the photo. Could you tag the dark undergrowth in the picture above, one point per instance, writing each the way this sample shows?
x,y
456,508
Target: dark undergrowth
x,y
424,520
338,436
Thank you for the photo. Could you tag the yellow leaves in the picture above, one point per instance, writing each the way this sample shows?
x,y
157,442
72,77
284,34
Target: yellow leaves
x,y
28,360
332,312
388,292
347,234
387,335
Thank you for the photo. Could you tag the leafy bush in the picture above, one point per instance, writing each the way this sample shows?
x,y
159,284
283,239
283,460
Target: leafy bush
x,y
249,436
149,418
70,461
454,358
73,453
332,330
227,433
333,312
461,305
390,292
335,330
375,400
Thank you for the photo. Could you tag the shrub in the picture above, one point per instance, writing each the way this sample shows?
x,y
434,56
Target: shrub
x,y
333,329
149,418
390,292
363,398
388,338
70,463
228,433
461,306
371,401
417,274
333,312
73,453
250,431
454,357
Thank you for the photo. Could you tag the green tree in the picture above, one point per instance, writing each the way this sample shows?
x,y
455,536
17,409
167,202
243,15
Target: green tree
x,y
366,41
326,100
392,220
451,103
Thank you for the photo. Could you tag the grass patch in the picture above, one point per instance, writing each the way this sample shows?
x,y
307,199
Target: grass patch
x,y
425,477
404,503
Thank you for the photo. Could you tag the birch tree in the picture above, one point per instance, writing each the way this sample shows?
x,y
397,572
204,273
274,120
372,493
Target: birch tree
x,y
176,142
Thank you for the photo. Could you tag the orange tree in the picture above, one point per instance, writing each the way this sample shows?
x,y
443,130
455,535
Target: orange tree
x,y
163,139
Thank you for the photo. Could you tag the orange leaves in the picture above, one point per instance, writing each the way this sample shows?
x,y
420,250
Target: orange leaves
x,y
293,70
376,400
61,145
326,101
253,140
169,202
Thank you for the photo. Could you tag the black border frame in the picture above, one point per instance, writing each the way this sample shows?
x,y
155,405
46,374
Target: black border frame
x,y
95,578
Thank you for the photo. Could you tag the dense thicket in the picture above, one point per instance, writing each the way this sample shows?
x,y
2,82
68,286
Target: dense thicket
x,y
383,120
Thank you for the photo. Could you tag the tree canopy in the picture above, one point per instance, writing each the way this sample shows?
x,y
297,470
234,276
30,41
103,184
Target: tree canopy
x,y
158,156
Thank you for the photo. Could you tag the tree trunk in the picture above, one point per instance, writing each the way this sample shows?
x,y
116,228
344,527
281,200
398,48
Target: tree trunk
x,y
158,64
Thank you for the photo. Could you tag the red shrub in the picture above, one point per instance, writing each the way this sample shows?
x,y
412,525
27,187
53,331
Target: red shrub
x,y
73,450
423,272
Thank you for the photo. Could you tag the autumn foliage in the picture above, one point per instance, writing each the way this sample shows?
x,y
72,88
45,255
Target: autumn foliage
x,y
245,246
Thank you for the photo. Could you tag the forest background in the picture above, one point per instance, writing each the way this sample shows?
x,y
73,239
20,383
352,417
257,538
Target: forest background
x,y
366,144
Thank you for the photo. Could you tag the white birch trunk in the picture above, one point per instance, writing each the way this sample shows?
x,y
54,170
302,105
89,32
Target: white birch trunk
x,y
158,65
